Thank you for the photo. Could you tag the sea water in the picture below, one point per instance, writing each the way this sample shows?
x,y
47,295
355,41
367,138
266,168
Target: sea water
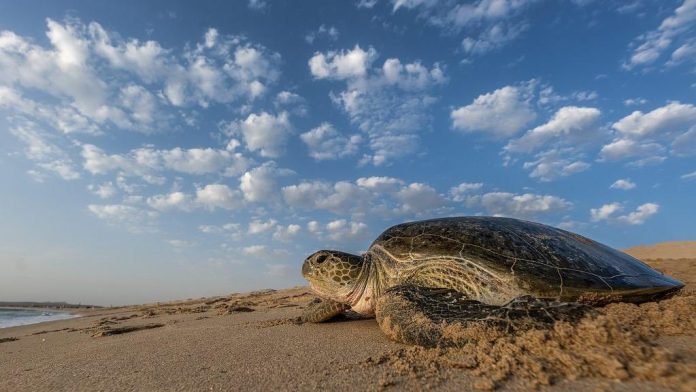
x,y
11,317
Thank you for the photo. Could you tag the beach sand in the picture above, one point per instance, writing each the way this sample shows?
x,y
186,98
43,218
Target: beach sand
x,y
250,342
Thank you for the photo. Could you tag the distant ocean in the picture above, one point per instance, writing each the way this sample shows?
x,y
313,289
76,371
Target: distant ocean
x,y
10,317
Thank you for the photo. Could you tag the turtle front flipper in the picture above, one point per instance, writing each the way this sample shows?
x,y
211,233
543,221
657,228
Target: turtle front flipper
x,y
437,317
322,310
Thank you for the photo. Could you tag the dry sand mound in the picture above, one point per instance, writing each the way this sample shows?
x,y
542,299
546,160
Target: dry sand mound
x,y
620,343
664,250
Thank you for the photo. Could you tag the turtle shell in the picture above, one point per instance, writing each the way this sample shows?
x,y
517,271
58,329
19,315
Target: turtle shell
x,y
541,260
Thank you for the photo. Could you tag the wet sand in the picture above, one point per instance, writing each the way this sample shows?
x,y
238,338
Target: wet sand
x,y
249,342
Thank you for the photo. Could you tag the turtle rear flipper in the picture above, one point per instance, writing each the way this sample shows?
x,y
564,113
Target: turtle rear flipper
x,y
431,316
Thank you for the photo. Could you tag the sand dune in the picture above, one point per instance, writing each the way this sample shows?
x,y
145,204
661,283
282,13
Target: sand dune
x,y
664,250
250,342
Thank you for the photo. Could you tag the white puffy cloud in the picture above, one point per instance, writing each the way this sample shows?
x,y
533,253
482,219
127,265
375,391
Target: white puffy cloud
x,y
501,113
643,136
418,198
623,184
640,215
461,191
146,161
380,184
341,197
286,233
605,212
514,205
264,132
214,196
325,143
258,226
344,64
668,120
654,43
314,227
261,183
570,124
553,164
627,148
608,212
342,230
171,201
104,191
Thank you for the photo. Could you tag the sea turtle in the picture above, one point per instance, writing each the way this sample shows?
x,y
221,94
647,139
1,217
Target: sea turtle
x,y
419,277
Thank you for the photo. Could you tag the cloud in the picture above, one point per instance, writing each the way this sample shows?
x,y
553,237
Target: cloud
x,y
99,81
604,212
257,226
570,124
501,113
552,164
389,103
627,148
329,32
514,205
326,143
340,198
135,219
487,24
261,183
640,215
342,230
418,198
341,65
214,196
257,5
608,212
380,184
493,37
286,233
653,44
672,118
623,184
147,161
47,155
231,230
460,192
171,201
104,191
263,132
688,176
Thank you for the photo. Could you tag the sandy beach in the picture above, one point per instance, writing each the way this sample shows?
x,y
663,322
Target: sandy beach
x,y
249,341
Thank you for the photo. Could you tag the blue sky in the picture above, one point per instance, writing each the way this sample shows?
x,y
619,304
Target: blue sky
x,y
171,149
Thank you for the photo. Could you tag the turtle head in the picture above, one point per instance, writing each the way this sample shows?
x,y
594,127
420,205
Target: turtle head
x,y
333,274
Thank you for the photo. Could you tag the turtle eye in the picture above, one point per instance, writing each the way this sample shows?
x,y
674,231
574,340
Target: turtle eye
x,y
320,259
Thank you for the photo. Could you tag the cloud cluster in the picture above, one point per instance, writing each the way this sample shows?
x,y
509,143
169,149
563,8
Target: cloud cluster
x,y
99,80
650,137
388,103
675,28
487,25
